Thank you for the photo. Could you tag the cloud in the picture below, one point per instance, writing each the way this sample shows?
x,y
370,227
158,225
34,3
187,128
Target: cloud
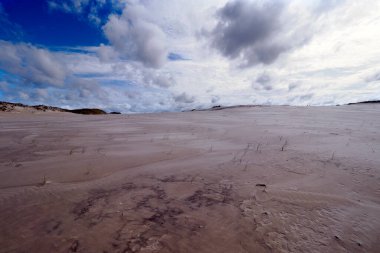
x,y
256,32
106,53
215,99
94,10
43,93
292,86
34,65
74,6
136,73
157,79
88,89
148,100
304,99
3,86
135,37
37,75
263,82
9,30
176,57
184,98
323,6
373,78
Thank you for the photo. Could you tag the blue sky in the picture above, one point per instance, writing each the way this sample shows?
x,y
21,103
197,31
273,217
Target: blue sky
x,y
170,55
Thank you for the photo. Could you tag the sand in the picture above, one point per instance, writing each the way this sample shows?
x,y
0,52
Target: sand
x,y
259,179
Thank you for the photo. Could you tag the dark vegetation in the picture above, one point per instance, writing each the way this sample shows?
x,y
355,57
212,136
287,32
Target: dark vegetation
x,y
366,102
87,111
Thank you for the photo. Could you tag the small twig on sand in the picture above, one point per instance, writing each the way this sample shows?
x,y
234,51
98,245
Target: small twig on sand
x,y
44,182
283,146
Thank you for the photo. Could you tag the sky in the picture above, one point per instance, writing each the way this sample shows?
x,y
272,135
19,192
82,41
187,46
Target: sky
x,y
170,55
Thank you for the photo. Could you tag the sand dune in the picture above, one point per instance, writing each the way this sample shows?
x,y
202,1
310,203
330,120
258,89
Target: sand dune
x,y
250,179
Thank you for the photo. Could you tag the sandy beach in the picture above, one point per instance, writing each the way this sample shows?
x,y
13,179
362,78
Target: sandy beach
x,y
257,179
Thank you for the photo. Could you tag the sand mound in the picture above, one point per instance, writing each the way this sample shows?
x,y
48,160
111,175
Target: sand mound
x,y
18,107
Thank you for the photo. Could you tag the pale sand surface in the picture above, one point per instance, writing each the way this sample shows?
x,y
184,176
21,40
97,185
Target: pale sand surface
x,y
193,181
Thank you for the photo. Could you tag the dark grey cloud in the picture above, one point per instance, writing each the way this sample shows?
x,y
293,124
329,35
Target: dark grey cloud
x,y
184,98
215,99
263,82
255,32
